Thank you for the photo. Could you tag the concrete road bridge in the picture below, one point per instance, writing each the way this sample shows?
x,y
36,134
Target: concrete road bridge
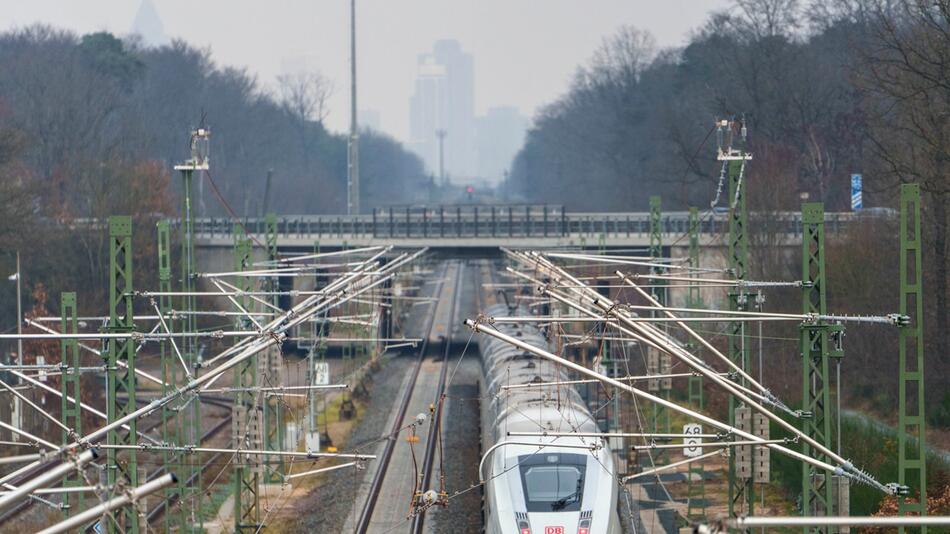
x,y
475,228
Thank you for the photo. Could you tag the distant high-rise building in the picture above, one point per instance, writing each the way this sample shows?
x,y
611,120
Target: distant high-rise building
x,y
499,136
427,111
149,25
444,100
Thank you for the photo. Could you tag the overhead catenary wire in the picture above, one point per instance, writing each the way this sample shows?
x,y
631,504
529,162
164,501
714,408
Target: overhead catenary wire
x,y
662,341
694,362
187,449
673,465
478,327
609,308
595,381
138,372
250,346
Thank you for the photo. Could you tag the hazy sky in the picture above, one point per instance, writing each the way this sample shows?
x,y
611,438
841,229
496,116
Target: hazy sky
x,y
525,50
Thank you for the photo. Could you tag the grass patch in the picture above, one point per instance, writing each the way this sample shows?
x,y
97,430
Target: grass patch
x,y
871,447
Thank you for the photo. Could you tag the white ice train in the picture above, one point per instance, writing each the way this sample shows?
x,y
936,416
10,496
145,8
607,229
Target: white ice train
x,y
567,487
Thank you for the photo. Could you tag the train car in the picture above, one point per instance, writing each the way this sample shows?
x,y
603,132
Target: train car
x,y
568,486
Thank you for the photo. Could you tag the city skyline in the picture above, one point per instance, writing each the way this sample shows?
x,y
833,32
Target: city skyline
x,y
442,106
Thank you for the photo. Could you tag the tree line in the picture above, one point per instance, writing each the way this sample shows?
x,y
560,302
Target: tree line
x,y
827,89
91,125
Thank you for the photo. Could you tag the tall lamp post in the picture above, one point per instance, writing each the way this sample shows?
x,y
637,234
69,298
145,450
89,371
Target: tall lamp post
x,y
441,133
353,163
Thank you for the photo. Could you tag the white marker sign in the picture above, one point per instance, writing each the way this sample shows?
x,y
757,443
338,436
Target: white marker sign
x,y
691,439
321,371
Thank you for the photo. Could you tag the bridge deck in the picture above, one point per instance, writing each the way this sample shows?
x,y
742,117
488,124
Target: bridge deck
x,y
487,227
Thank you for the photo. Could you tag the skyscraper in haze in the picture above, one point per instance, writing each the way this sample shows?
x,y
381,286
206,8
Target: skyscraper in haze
x,y
444,99
499,137
149,25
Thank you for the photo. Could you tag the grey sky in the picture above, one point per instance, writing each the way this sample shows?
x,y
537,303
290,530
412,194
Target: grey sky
x,y
525,50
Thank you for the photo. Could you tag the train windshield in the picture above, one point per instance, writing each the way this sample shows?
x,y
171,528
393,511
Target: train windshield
x,y
553,482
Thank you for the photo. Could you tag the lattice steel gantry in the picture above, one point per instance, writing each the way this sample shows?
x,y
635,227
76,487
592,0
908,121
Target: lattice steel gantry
x,y
696,474
657,361
912,450
819,342
121,382
70,387
741,488
191,413
172,374
246,417
272,365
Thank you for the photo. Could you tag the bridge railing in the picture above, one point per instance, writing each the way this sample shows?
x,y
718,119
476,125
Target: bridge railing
x,y
486,221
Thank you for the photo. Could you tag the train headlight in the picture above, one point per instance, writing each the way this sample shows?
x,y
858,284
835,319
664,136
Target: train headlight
x,y
584,526
524,527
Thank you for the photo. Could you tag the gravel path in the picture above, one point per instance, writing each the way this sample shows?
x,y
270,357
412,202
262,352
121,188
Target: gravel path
x,y
325,509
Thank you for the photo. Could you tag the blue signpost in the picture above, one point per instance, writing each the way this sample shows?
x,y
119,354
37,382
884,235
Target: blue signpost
x,y
855,192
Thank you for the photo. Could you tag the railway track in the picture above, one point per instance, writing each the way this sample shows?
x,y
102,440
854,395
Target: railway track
x,y
434,438
376,484
424,476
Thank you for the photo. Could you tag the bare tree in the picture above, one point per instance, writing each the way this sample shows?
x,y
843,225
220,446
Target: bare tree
x,y
824,14
769,18
622,57
906,74
304,95
16,189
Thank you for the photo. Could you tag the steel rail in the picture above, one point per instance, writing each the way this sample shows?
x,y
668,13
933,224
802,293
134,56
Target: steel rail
x,y
376,485
435,430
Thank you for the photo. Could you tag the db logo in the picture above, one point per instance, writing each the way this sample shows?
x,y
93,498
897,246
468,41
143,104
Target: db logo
x,y
553,530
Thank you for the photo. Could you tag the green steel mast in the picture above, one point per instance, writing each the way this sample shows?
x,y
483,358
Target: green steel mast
x,y
741,490
696,475
912,460
818,346
273,412
70,387
191,412
661,361
172,374
246,429
121,382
